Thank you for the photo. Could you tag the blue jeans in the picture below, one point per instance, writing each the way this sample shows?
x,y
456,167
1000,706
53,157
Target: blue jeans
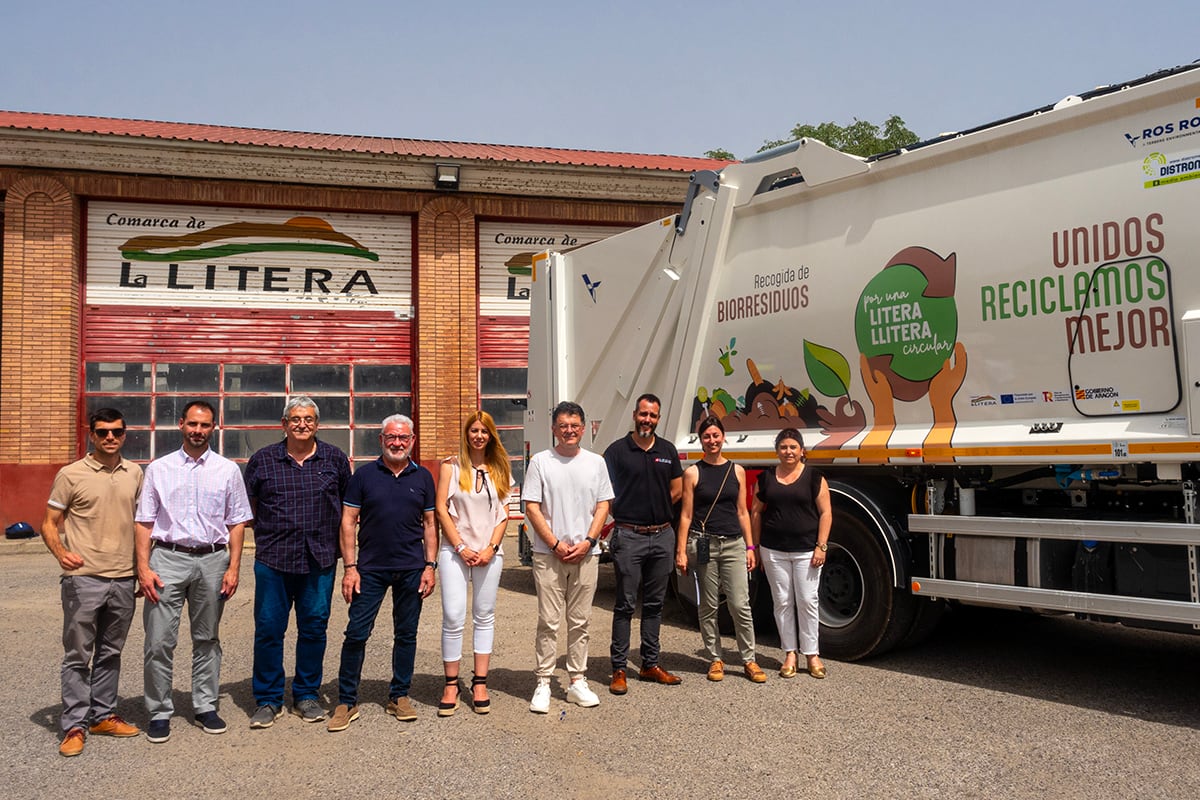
x,y
406,613
275,593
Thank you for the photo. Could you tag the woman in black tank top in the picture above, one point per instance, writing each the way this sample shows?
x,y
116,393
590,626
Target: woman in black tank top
x,y
790,520
714,514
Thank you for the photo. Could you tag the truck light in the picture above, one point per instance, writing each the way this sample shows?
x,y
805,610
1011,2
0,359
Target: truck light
x,y
916,587
912,452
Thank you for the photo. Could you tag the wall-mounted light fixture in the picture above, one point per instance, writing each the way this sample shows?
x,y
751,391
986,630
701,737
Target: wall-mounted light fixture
x,y
445,176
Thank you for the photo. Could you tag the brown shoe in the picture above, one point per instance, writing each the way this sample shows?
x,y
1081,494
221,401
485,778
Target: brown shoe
x,y
618,684
659,675
401,709
754,672
113,725
72,743
343,715
716,671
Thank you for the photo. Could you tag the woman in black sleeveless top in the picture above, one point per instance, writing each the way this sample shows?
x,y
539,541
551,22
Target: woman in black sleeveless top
x,y
714,509
790,520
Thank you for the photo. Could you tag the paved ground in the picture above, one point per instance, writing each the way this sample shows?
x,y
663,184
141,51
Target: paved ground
x,y
996,705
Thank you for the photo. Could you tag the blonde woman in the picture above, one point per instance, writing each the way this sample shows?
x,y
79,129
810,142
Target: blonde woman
x,y
472,497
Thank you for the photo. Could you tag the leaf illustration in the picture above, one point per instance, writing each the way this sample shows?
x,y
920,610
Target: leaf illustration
x,y
827,369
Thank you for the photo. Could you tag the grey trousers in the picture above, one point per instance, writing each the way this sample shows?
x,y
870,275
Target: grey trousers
x,y
725,572
196,579
97,613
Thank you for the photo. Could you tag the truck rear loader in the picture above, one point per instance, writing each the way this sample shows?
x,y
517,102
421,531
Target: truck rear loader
x,y
990,342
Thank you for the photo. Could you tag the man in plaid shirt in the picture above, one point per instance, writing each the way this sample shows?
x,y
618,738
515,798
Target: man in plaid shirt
x,y
295,488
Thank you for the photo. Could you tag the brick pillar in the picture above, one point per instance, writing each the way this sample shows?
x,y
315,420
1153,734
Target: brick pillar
x,y
446,297
39,351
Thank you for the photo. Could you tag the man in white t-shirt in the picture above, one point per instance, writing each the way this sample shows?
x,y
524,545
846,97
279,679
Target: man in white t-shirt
x,y
567,493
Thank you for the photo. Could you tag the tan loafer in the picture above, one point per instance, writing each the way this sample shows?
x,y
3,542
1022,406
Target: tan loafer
x,y
716,671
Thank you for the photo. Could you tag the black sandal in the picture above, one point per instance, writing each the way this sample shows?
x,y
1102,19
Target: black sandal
x,y
480,706
447,709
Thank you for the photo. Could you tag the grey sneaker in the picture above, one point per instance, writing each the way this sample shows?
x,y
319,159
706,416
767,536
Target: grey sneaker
x,y
401,709
308,710
265,715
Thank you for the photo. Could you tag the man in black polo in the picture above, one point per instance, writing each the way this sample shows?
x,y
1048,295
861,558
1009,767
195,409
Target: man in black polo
x,y
647,479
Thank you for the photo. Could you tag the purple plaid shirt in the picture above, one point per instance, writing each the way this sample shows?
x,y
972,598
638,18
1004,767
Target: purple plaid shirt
x,y
298,506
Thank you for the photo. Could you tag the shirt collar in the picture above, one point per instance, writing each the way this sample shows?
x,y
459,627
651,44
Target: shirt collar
x,y
95,465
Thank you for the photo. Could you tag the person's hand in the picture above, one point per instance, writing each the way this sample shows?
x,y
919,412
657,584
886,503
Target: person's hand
x,y
751,560
681,562
70,560
428,581
818,558
351,584
470,557
149,583
229,583
576,552
483,557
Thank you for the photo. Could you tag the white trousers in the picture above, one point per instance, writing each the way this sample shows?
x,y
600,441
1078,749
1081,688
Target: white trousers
x,y
455,575
794,582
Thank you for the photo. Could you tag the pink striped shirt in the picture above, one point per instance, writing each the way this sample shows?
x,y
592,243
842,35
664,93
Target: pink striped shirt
x,y
193,501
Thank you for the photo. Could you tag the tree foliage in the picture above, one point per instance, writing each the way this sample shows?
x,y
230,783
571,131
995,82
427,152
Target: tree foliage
x,y
719,154
860,137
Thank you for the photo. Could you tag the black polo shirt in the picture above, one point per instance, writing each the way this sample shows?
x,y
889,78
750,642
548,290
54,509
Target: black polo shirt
x,y
642,480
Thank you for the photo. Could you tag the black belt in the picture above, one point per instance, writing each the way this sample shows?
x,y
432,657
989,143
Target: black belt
x,y
194,551
644,528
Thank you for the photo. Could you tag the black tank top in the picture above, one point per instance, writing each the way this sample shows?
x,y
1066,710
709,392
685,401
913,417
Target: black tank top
x,y
723,521
790,519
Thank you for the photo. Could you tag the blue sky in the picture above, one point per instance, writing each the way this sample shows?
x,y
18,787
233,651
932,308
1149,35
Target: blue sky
x,y
667,77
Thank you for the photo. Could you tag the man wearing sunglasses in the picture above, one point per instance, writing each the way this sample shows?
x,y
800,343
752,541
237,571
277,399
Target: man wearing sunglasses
x,y
88,527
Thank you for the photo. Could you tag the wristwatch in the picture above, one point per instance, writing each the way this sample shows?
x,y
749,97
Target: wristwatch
x,y
591,541
432,565
822,547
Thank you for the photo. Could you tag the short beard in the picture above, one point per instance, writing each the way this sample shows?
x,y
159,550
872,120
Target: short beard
x,y
644,433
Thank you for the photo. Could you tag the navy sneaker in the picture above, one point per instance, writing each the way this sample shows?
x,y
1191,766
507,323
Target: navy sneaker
x,y
209,722
159,731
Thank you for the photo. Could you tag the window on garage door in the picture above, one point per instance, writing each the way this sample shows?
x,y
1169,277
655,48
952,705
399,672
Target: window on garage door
x,y
249,398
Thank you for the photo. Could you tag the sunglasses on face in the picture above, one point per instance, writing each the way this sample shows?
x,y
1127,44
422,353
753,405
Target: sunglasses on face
x,y
102,433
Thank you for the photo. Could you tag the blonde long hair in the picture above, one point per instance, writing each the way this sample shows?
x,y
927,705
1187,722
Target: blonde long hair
x,y
495,457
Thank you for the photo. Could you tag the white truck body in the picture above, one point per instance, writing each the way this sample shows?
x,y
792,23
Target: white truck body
x,y
990,341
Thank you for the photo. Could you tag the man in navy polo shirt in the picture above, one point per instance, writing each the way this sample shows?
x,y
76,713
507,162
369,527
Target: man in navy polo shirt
x,y
391,503
295,488
648,480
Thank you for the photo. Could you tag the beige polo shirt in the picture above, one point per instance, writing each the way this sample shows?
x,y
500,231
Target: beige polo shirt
x,y
98,506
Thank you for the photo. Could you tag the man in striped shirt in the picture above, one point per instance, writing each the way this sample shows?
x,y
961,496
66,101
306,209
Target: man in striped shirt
x,y
190,522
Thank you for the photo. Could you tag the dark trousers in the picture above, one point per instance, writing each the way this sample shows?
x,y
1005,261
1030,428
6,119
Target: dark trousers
x,y
275,594
641,561
406,614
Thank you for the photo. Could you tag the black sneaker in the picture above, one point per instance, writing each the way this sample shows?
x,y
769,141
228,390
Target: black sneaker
x,y
209,722
158,731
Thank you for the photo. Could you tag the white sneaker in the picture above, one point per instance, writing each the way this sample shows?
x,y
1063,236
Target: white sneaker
x,y
581,695
540,704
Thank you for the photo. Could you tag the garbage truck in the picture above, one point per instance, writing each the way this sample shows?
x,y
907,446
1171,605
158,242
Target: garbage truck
x,y
989,340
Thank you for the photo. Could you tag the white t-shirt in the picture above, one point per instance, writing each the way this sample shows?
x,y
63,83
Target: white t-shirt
x,y
568,490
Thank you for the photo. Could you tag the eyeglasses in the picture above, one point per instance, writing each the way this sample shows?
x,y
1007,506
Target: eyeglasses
x,y
570,426
301,420
102,433
397,437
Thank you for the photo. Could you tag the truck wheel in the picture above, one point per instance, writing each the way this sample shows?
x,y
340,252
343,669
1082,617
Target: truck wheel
x,y
861,613
928,615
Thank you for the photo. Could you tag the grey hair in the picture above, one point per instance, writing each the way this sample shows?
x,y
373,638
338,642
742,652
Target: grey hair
x,y
300,401
398,419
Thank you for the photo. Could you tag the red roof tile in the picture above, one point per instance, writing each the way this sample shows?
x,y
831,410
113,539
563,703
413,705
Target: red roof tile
x,y
219,134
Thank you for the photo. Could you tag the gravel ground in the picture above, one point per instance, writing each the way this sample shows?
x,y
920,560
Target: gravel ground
x,y
995,705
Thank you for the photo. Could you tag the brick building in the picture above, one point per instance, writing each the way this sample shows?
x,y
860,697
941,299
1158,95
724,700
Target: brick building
x,y
148,263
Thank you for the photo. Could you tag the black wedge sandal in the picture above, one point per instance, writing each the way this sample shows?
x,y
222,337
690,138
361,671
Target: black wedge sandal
x,y
480,706
447,709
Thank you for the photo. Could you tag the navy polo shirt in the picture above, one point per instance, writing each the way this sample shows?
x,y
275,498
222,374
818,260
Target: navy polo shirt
x,y
642,479
391,524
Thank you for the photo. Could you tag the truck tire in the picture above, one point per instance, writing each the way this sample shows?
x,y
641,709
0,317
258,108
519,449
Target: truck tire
x,y
862,614
927,617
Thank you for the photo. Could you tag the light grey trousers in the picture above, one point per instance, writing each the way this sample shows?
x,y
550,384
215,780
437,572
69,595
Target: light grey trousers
x,y
195,579
97,613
